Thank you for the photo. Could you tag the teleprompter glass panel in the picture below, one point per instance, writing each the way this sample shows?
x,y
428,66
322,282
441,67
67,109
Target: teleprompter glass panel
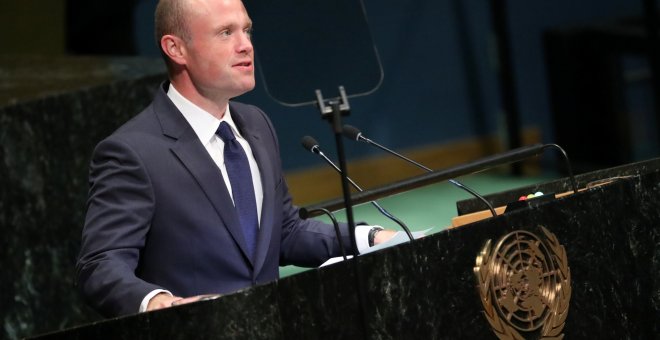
x,y
304,45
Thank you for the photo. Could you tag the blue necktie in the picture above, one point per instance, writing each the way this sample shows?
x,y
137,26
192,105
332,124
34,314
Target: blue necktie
x,y
240,177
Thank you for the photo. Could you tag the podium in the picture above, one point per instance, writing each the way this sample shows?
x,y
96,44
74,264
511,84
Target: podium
x,y
430,289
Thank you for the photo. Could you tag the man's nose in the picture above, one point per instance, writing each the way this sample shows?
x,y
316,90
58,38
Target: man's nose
x,y
245,43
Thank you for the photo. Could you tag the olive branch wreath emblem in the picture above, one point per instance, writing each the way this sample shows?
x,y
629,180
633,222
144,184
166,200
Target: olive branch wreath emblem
x,y
551,294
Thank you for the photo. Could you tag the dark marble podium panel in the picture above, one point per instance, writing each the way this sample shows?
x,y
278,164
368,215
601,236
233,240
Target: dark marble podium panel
x,y
427,290
53,111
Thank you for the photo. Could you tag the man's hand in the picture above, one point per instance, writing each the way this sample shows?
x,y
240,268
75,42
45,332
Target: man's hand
x,y
165,300
383,236
162,300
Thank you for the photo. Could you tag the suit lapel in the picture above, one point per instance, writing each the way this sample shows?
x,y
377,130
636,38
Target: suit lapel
x,y
190,151
253,137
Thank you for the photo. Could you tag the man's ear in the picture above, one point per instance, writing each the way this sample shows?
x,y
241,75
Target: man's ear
x,y
174,48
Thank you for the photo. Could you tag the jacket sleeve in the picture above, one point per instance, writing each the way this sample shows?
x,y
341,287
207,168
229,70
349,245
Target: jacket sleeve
x,y
119,210
309,243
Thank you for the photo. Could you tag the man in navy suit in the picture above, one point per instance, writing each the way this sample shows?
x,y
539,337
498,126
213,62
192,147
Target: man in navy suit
x,y
161,224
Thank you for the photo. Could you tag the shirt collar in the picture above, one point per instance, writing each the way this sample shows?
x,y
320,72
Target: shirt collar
x,y
203,123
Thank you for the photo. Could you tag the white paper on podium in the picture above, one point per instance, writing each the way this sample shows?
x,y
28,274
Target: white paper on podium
x,y
399,237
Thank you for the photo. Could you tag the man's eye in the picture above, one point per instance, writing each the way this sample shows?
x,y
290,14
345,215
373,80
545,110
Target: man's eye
x,y
225,33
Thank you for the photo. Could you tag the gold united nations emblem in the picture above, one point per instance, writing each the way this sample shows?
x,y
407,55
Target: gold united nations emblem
x,y
525,285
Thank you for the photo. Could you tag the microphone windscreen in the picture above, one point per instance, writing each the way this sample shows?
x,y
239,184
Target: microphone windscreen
x,y
351,132
308,142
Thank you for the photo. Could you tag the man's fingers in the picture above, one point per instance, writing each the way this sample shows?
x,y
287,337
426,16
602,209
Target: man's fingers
x,y
162,300
383,236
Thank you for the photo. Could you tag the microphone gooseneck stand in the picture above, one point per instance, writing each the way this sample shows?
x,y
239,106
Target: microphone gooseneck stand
x,y
310,144
333,114
567,161
355,134
335,224
507,157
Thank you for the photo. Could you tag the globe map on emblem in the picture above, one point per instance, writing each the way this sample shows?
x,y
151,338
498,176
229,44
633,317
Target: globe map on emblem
x,y
524,280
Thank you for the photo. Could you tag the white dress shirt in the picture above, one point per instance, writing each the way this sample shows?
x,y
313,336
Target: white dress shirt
x,y
205,125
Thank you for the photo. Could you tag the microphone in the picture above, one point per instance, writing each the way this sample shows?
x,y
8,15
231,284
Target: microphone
x,y
310,144
353,133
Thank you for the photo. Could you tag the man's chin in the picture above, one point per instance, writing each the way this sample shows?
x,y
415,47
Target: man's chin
x,y
245,88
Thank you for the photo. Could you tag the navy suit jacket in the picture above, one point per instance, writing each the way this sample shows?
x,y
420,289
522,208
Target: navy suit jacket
x,y
160,217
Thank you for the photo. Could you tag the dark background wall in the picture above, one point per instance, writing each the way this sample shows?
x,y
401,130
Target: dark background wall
x,y
439,59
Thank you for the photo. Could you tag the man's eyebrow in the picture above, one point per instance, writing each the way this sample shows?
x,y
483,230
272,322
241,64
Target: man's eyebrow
x,y
223,27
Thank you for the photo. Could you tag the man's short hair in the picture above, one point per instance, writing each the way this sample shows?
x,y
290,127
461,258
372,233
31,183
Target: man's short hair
x,y
170,18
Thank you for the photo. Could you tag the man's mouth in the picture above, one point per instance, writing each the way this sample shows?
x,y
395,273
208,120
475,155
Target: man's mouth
x,y
243,64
